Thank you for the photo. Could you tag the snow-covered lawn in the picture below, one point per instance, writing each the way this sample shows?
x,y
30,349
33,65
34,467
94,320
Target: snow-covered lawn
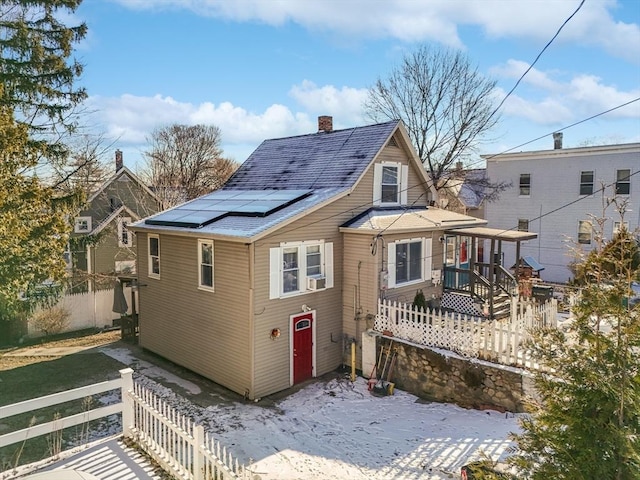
x,y
336,430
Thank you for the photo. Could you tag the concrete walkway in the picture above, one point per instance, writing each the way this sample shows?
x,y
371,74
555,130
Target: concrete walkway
x,y
109,459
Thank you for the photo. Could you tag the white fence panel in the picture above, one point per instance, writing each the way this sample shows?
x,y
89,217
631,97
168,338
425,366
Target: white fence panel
x,y
501,341
87,310
179,446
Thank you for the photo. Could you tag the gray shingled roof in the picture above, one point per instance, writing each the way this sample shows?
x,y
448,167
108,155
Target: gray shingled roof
x,y
322,160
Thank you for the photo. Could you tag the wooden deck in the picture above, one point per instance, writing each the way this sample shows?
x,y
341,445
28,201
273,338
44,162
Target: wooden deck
x,y
109,459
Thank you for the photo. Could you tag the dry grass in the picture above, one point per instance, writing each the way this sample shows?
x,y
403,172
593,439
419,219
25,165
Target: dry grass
x,y
9,361
26,377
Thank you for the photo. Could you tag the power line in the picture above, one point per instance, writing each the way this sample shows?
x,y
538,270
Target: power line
x,y
557,130
537,58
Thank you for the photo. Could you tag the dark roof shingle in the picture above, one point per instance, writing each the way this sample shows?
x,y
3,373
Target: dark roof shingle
x,y
322,160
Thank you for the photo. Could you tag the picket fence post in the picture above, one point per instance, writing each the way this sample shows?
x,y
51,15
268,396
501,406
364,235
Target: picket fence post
x,y
126,375
198,457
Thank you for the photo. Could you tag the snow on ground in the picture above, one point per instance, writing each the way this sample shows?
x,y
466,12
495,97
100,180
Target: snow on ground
x,y
124,356
337,430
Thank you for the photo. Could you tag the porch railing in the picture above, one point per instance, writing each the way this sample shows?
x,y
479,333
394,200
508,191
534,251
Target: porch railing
x,y
500,341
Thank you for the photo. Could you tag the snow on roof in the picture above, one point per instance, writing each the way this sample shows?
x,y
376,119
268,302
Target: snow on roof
x,y
409,219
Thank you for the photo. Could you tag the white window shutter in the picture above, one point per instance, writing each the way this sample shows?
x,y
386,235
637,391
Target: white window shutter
x,y
328,264
391,265
377,184
404,184
275,274
426,273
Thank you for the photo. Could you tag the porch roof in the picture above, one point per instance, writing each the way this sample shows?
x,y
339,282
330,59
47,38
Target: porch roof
x,y
494,233
401,220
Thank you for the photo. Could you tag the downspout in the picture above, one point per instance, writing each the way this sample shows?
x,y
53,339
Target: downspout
x,y
252,346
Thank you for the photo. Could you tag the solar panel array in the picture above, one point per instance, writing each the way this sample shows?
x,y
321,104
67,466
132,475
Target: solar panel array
x,y
221,203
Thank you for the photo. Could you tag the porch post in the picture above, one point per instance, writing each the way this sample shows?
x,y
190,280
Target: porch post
x,y
472,267
492,276
518,267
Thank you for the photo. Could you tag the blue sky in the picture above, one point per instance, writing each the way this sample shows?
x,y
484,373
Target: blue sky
x,y
262,69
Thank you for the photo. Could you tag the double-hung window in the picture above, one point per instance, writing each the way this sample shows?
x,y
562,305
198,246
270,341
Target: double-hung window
x,y
617,226
125,238
390,183
205,262
300,267
585,231
290,269
623,182
409,261
523,225
154,256
525,184
586,182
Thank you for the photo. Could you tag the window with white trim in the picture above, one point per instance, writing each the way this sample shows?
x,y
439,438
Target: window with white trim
x,y
82,225
300,267
205,262
390,181
586,182
585,232
125,237
409,261
525,184
623,182
617,226
154,256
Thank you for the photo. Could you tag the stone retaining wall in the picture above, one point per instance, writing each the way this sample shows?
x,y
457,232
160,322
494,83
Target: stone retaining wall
x,y
447,377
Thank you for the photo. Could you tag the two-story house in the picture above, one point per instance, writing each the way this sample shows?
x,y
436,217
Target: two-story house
x,y
266,282
101,244
559,193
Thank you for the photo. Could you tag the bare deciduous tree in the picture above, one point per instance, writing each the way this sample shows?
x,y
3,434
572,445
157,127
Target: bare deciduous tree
x,y
446,105
87,168
185,162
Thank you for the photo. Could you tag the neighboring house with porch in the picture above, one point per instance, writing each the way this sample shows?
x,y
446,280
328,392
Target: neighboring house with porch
x,y
266,282
101,243
558,193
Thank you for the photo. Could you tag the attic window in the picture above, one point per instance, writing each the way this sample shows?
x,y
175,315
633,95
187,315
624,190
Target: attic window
x,y
82,225
392,142
390,184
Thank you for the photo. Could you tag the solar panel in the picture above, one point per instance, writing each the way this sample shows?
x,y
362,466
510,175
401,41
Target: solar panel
x,y
221,203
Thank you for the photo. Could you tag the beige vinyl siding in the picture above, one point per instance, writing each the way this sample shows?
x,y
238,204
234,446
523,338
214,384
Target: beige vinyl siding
x,y
416,193
407,293
273,357
360,288
207,332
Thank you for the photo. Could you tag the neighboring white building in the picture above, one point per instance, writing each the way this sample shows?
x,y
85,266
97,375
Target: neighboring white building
x,y
557,193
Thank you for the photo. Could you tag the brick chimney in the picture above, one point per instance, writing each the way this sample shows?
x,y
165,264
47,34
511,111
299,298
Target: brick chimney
x,y
119,161
325,123
557,141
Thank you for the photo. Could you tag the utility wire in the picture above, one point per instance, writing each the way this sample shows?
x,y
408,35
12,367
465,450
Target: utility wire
x,y
536,59
488,157
425,185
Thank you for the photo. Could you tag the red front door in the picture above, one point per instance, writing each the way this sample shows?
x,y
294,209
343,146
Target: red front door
x,y
302,347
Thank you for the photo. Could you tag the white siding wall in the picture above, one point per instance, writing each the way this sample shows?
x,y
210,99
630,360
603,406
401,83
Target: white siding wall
x,y
555,182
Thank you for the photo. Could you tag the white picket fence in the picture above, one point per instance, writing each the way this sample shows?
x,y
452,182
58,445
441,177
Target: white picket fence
x,y
182,448
87,310
500,341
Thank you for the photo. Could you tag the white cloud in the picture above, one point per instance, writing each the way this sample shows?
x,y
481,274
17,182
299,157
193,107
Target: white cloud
x,y
550,100
436,20
514,69
344,104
